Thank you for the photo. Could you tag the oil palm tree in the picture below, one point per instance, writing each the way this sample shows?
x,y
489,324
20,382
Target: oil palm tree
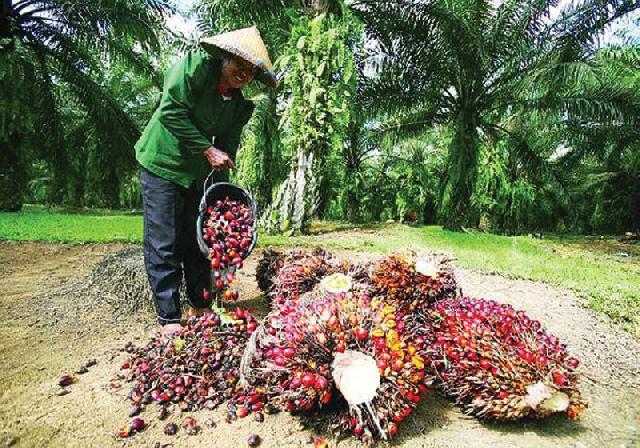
x,y
602,163
50,53
468,64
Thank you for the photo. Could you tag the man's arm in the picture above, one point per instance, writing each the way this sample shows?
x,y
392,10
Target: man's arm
x,y
182,82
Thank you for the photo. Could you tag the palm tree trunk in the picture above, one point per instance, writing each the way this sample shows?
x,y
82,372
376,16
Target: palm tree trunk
x,y
352,198
429,211
461,174
323,199
297,198
353,207
13,175
5,13
353,163
377,205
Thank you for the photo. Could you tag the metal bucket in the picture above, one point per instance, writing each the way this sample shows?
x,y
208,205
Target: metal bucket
x,y
220,191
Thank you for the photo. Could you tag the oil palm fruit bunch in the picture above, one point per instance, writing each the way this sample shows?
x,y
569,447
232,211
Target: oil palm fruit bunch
x,y
338,345
495,361
270,263
292,273
414,282
197,369
228,231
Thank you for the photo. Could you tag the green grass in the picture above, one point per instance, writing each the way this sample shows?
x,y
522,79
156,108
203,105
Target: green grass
x,y
608,283
75,226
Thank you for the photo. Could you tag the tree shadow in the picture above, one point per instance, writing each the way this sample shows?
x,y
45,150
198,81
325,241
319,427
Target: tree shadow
x,y
556,425
436,411
257,304
433,412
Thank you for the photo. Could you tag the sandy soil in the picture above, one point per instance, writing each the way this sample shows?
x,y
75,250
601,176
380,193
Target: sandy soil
x,y
47,334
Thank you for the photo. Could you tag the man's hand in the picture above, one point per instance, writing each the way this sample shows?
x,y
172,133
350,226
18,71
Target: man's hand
x,y
218,159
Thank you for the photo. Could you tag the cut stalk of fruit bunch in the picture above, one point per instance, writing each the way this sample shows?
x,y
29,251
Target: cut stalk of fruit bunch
x,y
336,283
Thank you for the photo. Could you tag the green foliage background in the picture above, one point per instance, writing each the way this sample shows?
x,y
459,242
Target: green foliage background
x,y
500,116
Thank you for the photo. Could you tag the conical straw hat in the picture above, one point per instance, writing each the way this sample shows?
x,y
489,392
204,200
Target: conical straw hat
x,y
247,44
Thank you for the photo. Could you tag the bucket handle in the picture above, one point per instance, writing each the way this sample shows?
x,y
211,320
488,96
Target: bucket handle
x,y
206,184
206,181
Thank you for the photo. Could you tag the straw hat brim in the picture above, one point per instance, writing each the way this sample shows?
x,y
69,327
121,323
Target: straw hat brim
x,y
245,43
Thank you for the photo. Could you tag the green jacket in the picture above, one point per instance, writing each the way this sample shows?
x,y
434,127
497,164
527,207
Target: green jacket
x,y
190,113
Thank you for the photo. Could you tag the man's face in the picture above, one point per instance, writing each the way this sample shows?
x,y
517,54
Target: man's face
x,y
237,72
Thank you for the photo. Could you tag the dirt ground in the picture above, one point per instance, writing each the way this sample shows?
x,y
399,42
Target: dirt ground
x,y
46,335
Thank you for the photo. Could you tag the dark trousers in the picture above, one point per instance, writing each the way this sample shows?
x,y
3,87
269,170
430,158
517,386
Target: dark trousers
x,y
170,245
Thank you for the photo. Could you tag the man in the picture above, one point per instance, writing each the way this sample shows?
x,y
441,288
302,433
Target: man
x,y
195,129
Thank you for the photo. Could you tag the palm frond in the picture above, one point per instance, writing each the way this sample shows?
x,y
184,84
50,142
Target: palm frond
x,y
581,24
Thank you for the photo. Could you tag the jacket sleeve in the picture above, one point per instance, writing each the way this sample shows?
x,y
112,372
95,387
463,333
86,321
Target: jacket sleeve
x,y
231,140
182,82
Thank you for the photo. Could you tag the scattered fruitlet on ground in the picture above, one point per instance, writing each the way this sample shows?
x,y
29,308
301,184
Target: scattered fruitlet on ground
x,y
135,409
254,440
136,425
198,369
191,426
170,429
320,443
66,380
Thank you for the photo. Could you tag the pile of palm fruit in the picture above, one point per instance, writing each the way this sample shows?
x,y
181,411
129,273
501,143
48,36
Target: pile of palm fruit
x,y
364,340
405,315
